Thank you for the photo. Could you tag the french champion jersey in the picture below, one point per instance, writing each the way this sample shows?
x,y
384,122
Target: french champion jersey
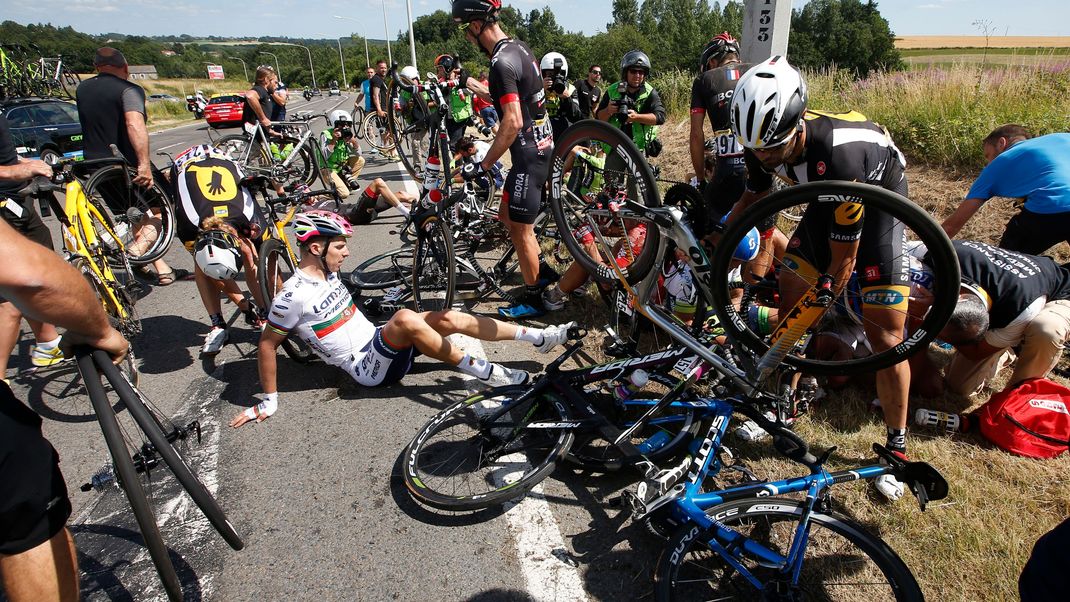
x,y
322,314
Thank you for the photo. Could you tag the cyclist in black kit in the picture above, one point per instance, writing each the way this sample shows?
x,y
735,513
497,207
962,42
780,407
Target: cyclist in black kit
x,y
783,139
516,89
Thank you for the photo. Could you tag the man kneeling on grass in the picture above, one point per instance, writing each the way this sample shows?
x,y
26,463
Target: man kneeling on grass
x,y
316,307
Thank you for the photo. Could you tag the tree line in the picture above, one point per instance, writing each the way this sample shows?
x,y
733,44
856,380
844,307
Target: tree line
x,y
848,35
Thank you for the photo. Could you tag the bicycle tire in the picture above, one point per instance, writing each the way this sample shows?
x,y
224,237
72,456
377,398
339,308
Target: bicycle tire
x,y
150,425
274,269
412,139
677,423
384,271
304,168
257,162
358,119
122,203
625,169
686,553
128,478
690,201
123,315
373,129
69,81
428,460
917,222
434,266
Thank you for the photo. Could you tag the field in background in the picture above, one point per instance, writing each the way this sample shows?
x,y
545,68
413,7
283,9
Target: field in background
x,y
907,42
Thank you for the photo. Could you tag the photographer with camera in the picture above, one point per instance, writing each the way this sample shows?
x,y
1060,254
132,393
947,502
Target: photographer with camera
x,y
633,105
344,160
562,104
460,100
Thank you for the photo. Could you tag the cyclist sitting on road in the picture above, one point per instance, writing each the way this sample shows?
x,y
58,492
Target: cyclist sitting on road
x,y
782,138
633,105
220,223
376,198
344,160
315,306
562,102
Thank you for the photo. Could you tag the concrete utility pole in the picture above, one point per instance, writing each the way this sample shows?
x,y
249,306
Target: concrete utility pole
x,y
243,68
765,29
412,38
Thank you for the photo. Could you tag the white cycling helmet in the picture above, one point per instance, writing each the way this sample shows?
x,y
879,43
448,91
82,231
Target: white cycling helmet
x,y
550,63
339,115
768,104
217,254
409,74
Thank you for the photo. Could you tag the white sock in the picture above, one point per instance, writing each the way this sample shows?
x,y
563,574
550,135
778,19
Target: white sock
x,y
476,366
403,210
531,335
48,345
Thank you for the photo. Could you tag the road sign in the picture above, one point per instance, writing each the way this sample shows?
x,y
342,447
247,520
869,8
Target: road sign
x,y
215,72
765,29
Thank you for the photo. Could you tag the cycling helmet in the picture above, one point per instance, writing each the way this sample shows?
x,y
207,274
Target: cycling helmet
x,y
409,74
634,58
340,115
717,48
466,11
217,254
448,62
747,249
768,104
311,224
550,62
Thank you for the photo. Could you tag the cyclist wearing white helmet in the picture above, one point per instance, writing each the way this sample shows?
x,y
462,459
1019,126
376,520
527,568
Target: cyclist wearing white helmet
x,y
316,307
344,160
218,221
562,102
782,138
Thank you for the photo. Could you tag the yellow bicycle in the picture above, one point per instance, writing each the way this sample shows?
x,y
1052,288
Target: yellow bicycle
x,y
92,243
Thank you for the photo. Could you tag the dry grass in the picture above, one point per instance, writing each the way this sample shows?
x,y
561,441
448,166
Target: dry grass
x,y
907,42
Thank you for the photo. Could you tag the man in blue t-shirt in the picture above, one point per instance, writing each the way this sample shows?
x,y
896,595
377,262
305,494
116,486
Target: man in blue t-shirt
x,y
365,95
1034,169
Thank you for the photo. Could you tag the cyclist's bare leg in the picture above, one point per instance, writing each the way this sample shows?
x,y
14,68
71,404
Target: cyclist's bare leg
x,y
48,571
209,289
884,329
249,257
527,247
427,331
396,199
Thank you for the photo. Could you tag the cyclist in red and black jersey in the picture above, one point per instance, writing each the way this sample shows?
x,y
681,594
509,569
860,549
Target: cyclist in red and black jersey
x,y
783,139
516,89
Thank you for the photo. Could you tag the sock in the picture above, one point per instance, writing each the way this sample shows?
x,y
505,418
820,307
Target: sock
x,y
758,319
476,366
403,210
532,292
531,335
48,345
897,440
218,321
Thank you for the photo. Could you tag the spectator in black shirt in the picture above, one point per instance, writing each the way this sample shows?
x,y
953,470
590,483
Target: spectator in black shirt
x,y
588,92
112,111
380,98
259,105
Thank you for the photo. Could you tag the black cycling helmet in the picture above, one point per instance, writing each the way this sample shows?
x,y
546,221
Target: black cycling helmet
x,y
466,11
721,44
634,59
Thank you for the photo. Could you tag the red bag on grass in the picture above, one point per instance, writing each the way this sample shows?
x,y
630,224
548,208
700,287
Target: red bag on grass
x,y
1031,420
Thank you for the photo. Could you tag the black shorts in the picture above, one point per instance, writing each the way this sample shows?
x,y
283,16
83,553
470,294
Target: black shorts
x,y
29,223
727,186
34,506
1035,233
524,186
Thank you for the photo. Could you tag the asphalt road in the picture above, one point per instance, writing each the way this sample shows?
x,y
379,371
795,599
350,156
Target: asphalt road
x,y
314,490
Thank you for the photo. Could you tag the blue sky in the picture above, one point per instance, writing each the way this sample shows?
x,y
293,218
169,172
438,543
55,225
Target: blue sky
x,y
314,18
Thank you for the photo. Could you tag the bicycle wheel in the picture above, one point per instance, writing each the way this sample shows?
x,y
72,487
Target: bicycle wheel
x,y
128,478
434,266
119,305
254,161
358,120
662,438
377,132
69,81
274,269
153,424
462,460
143,218
384,271
845,316
842,561
614,170
410,129
302,168
690,201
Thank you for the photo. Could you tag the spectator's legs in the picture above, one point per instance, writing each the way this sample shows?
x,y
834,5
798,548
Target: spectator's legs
x,y
966,376
356,165
1035,233
1042,344
48,571
339,183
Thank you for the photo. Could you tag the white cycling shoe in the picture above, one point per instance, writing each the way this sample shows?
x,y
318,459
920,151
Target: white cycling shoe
x,y
214,340
500,375
889,487
552,336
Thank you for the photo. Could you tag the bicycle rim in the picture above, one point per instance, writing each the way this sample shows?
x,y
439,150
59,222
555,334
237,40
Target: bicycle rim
x,y
842,561
376,132
384,271
458,462
274,269
846,318
580,188
143,218
434,267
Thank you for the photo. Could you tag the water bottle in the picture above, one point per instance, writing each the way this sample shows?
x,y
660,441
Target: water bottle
x,y
432,172
654,442
631,385
952,423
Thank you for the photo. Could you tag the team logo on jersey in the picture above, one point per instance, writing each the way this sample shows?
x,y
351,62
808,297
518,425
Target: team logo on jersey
x,y
821,168
849,213
883,296
214,179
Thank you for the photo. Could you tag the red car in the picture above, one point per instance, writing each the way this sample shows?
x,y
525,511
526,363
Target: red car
x,y
224,109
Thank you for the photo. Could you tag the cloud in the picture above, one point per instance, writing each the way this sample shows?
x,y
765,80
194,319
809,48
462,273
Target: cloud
x,y
928,6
